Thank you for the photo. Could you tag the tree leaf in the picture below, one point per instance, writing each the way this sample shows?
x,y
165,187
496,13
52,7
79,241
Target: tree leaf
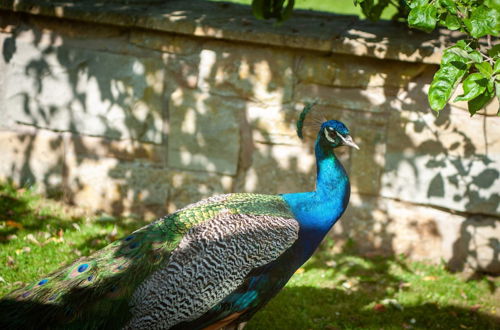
x,y
479,102
483,21
497,89
495,4
287,13
258,8
452,70
373,10
474,85
417,3
449,5
459,52
265,9
423,18
494,51
473,56
452,22
484,68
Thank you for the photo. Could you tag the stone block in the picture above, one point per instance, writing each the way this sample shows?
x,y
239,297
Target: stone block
x,y
450,161
33,157
181,71
113,186
204,132
127,150
188,187
477,245
6,49
369,131
275,124
165,42
279,169
348,71
137,187
257,74
94,93
374,99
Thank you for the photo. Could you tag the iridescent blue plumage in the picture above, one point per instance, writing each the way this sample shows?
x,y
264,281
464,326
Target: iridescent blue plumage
x,y
317,211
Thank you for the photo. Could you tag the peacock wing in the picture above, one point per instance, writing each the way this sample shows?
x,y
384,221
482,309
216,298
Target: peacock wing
x,y
212,260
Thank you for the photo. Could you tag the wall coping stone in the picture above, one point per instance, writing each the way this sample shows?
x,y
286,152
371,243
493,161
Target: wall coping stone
x,y
307,30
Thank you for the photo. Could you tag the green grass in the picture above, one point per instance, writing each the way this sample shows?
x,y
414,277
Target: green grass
x,y
345,7
38,235
331,291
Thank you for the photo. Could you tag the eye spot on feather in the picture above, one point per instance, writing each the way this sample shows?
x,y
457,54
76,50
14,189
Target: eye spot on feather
x,y
53,297
42,282
83,267
128,238
90,278
25,294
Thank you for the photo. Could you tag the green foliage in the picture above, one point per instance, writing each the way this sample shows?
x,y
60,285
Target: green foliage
x,y
265,9
472,62
423,17
453,68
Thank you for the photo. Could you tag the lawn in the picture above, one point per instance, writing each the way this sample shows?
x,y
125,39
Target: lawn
x,y
345,7
331,291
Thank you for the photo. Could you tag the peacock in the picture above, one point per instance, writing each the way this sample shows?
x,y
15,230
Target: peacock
x,y
210,265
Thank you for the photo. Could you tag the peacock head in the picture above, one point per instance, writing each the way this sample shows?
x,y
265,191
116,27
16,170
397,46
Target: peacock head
x,y
332,133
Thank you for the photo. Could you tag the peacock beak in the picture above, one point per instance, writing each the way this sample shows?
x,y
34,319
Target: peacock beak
x,y
349,142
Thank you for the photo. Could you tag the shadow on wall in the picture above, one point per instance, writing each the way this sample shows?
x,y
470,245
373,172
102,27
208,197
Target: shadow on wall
x,y
146,122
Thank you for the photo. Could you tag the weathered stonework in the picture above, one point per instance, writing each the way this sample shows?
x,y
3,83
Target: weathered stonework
x,y
445,161
145,109
343,71
381,226
204,133
377,99
262,75
94,93
188,186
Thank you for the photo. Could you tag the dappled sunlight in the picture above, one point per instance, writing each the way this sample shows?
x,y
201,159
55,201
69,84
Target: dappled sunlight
x,y
225,111
140,112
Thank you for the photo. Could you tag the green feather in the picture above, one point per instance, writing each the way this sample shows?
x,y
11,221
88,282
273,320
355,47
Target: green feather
x,y
302,117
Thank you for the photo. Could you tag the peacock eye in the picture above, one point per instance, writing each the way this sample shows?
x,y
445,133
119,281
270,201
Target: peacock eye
x,y
329,134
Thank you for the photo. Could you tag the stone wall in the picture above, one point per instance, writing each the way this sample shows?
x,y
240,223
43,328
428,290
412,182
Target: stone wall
x,y
144,109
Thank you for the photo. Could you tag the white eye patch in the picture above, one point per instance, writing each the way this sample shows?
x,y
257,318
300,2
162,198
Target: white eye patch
x,y
332,140
328,137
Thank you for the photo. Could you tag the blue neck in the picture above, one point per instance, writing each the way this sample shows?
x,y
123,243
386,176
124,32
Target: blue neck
x,y
317,211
